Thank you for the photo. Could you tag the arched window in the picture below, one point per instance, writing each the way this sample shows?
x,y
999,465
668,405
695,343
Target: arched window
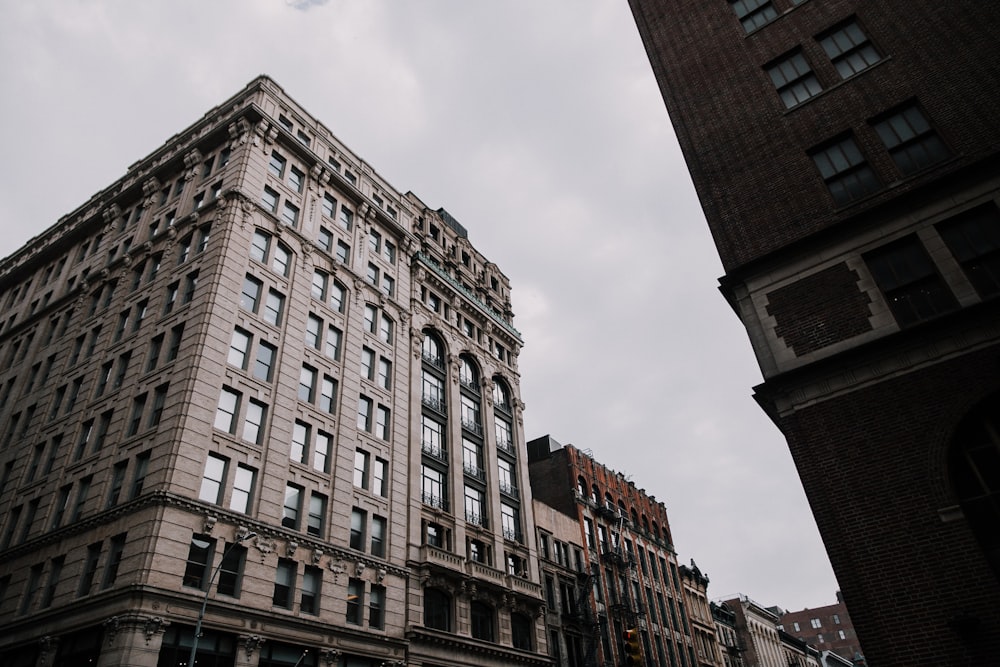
x,y
481,615
501,394
635,518
595,494
645,524
581,486
521,630
432,349
468,374
609,502
974,462
656,531
437,609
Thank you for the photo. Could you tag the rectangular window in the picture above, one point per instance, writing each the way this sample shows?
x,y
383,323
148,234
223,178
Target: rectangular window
x,y
334,336
295,179
31,588
159,403
358,519
228,408
284,583
259,246
367,363
312,581
155,347
379,527
362,460
346,218
243,483
754,13
250,298
139,475
794,79
276,165
89,569
974,239
214,479
263,368
380,478
474,501
912,143
307,384
293,507
176,333
138,407
314,331
82,494
384,373
849,49
114,560
845,171
269,198
290,214
329,205
273,307
239,346
300,442
909,281
231,570
253,422
376,607
316,518
355,600
328,395
199,562
365,413
325,239
322,448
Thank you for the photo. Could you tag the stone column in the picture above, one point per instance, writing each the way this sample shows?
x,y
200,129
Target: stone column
x,y
132,640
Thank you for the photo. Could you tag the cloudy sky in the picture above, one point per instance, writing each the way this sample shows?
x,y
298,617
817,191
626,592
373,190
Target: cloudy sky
x,y
538,125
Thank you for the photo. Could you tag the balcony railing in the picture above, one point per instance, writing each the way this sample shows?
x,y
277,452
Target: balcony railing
x,y
506,446
472,427
435,403
434,501
432,360
475,471
508,489
513,534
477,519
435,450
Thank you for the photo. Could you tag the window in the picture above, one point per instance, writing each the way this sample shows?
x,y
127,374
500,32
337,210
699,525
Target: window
x,y
307,384
849,49
388,284
214,479
334,336
176,333
522,630
319,285
365,413
159,403
355,600
155,346
269,198
321,451
511,522
312,581
474,501
367,363
374,242
346,218
60,505
383,423
263,368
295,179
329,205
472,455
379,527
281,260
290,214
379,477
173,289
482,620
253,422
250,298
328,395
139,474
138,407
284,583
238,347
912,142
507,477
273,307
385,329
753,13
470,414
243,484
325,239
231,569
292,507
845,171
376,607
361,462
259,246
432,487
974,239
793,79
31,588
358,519
300,442
343,253
229,406
89,569
199,561
372,274
815,623
316,517
82,494
437,609
909,281
337,297
277,165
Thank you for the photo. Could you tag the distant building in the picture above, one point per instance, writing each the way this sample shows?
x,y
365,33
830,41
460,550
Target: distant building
x,y
827,628
797,652
695,586
730,648
847,157
757,630
252,389
630,556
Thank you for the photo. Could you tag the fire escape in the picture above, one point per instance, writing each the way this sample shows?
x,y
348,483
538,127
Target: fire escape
x,y
583,617
624,607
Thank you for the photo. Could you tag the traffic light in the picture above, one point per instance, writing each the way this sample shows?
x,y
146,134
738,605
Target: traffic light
x,y
633,651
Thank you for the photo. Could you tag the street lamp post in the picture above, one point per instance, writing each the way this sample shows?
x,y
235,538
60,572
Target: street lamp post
x,y
204,603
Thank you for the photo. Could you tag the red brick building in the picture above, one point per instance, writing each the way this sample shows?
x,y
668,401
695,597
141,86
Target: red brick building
x,y
827,628
846,157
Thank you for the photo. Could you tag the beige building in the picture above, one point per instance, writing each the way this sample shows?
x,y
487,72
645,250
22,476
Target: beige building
x,y
252,386
694,586
757,632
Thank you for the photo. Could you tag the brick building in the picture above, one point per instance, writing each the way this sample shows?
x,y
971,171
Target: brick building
x,y
253,387
631,566
827,628
846,158
694,584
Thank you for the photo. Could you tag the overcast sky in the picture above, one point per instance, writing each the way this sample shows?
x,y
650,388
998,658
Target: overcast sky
x,y
538,125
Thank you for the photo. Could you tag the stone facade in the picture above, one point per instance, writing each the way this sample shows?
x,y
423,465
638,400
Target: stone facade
x,y
225,380
846,158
